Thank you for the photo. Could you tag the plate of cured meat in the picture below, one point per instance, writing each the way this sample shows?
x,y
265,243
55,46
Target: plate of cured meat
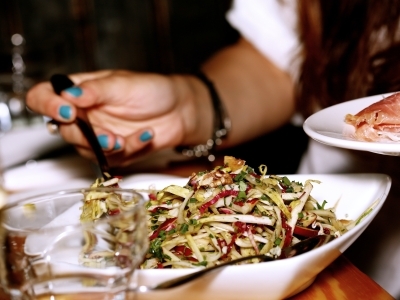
x,y
367,124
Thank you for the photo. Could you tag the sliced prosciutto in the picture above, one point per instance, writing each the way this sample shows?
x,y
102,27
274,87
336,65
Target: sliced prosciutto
x,y
379,122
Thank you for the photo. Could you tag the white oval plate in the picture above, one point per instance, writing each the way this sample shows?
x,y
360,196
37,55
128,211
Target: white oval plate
x,y
326,127
351,194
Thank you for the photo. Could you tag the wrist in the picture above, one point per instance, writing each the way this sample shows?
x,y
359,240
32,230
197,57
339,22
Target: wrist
x,y
196,109
207,101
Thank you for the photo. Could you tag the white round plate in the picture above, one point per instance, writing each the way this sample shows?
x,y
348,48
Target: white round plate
x,y
326,126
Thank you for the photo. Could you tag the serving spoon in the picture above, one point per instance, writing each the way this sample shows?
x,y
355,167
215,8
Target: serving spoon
x,y
299,248
61,82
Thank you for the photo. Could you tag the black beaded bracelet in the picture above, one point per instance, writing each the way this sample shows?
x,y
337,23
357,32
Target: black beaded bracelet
x,y
222,125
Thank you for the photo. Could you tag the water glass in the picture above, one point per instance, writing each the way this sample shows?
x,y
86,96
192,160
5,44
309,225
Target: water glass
x,y
50,247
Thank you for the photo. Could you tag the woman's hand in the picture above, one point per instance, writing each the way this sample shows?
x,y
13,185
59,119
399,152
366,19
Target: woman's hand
x,y
132,113
137,113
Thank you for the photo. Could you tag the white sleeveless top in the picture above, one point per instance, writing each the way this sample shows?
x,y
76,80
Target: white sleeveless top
x,y
270,25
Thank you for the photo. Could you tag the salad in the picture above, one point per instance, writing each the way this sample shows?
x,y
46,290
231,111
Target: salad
x,y
231,212
117,236
220,215
97,205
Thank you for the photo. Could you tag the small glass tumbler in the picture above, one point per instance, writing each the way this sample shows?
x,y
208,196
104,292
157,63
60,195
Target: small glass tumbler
x,y
56,246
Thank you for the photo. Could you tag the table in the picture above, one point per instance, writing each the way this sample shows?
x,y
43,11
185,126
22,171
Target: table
x,y
342,280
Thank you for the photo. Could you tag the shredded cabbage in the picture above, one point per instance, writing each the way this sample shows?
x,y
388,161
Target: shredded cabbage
x,y
219,215
231,212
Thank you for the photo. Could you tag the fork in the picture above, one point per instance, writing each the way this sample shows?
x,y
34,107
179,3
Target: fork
x,y
61,82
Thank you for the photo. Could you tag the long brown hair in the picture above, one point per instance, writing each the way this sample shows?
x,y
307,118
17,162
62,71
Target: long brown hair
x,y
350,50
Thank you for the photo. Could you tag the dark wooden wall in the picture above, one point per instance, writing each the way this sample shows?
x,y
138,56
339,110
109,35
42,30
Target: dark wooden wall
x,y
83,35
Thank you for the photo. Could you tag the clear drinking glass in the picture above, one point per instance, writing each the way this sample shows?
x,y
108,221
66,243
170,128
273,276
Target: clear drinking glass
x,y
47,252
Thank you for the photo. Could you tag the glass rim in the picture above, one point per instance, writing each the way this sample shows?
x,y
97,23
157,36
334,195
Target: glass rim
x,y
42,197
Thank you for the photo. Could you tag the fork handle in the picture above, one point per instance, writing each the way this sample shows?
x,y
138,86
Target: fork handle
x,y
61,82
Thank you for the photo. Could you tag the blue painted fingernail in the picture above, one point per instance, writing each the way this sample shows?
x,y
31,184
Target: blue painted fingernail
x,y
145,136
103,140
117,146
65,111
75,91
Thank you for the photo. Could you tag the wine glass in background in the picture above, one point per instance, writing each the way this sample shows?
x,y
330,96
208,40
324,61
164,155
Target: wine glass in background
x,y
5,125
13,80
12,102
16,84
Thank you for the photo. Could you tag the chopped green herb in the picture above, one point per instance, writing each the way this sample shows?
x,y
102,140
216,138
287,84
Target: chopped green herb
x,y
155,248
167,257
203,263
241,195
184,228
240,176
260,246
162,234
286,181
321,206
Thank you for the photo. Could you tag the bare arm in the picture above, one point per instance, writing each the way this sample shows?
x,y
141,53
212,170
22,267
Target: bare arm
x,y
258,96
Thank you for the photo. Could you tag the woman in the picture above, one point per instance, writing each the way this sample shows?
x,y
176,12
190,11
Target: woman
x,y
291,58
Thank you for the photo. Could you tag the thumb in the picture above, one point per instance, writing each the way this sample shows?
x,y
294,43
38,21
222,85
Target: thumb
x,y
88,90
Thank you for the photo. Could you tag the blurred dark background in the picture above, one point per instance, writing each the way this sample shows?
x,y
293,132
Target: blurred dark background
x,y
39,38
83,35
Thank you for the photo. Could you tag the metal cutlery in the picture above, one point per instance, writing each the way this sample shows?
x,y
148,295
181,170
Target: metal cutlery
x,y
297,249
61,82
